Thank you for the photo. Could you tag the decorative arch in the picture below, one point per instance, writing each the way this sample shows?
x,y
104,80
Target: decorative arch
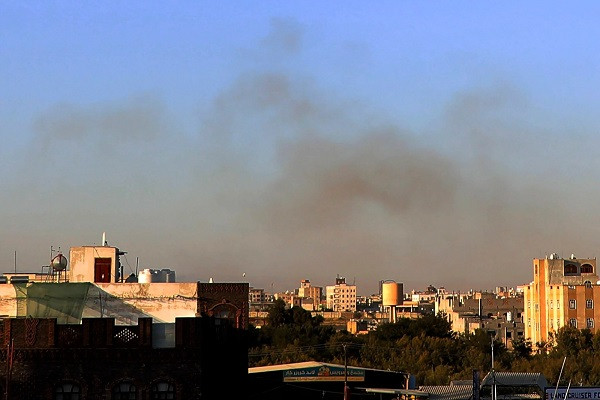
x,y
587,269
163,389
67,390
124,389
226,313
570,269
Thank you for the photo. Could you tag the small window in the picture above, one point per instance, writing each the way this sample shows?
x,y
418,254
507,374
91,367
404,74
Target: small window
x,y
551,304
163,391
588,284
573,322
124,391
67,391
587,269
590,323
557,305
589,303
572,304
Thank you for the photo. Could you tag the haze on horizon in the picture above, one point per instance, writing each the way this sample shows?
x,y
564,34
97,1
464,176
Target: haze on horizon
x,y
429,143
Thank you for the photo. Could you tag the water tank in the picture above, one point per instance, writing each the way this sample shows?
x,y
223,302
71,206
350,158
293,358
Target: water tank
x,y
59,262
168,275
145,276
392,293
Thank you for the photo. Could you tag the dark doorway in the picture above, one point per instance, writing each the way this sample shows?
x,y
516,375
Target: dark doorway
x,y
102,270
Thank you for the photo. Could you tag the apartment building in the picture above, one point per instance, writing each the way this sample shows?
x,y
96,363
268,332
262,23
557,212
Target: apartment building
x,y
563,292
307,291
341,296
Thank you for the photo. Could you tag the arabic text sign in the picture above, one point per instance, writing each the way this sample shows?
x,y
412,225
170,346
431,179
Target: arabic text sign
x,y
322,374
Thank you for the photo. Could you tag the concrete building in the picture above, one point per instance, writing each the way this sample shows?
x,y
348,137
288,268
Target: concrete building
x,y
341,296
307,291
92,286
502,316
563,292
99,360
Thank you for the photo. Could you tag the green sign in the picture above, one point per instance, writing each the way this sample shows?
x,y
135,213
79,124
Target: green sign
x,y
323,374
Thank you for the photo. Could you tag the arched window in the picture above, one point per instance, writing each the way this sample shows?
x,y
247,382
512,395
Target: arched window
x,y
587,269
570,269
67,391
124,391
225,314
163,391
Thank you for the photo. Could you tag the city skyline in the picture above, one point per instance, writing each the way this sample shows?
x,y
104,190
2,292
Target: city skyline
x,y
443,144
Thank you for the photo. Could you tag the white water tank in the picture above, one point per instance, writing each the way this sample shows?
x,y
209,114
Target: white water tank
x,y
145,276
392,293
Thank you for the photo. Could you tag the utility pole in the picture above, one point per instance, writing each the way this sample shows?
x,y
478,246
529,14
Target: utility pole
x,y
493,373
344,345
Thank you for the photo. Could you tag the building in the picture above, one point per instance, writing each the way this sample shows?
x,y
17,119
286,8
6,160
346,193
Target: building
x,y
341,296
314,293
100,360
502,316
316,380
563,292
93,287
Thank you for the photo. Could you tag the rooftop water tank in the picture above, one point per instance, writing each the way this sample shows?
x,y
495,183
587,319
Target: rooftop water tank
x,y
392,293
59,262
145,276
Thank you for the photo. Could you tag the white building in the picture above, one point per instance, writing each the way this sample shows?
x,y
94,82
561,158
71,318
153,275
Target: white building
x,y
341,296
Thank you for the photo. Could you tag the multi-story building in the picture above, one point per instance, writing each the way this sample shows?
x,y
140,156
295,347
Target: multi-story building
x,y
563,292
256,295
308,291
498,315
341,296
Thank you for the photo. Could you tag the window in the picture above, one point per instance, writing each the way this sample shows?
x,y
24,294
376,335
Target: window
x,y
67,391
589,303
551,304
570,269
587,269
163,391
124,391
590,323
573,322
529,304
587,284
572,304
557,305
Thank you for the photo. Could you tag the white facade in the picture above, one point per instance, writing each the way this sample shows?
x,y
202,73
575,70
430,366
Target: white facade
x,y
341,296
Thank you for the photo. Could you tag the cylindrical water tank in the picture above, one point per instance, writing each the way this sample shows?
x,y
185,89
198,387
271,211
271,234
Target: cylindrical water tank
x,y
392,293
145,276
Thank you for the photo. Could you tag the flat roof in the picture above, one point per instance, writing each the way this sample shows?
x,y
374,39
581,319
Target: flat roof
x,y
310,364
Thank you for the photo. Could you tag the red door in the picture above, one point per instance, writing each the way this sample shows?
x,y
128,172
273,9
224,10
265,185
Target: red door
x,y
102,270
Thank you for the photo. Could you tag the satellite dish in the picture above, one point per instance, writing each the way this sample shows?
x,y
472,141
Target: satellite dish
x,y
59,262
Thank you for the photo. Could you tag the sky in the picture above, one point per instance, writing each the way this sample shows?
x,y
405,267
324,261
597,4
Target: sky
x,y
442,143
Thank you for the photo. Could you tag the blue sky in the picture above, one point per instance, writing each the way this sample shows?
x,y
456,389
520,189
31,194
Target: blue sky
x,y
225,138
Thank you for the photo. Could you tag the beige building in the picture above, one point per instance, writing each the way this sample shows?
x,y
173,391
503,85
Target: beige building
x,y
563,292
314,293
341,296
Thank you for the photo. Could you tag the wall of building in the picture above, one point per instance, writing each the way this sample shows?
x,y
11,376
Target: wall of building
x,y
97,356
81,268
